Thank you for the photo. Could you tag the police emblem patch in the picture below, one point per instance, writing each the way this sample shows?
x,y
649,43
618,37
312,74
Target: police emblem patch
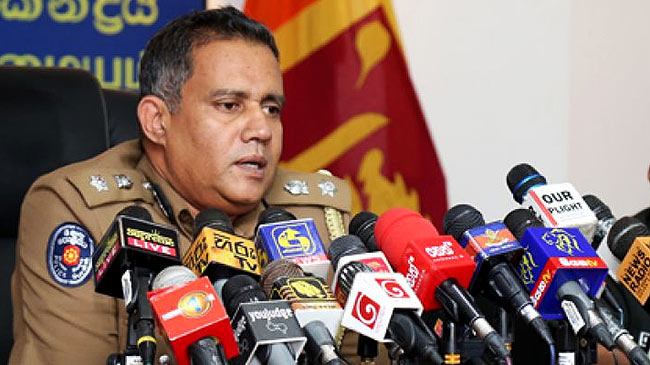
x,y
69,254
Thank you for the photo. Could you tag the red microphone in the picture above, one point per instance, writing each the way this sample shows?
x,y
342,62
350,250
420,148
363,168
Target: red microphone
x,y
437,268
191,317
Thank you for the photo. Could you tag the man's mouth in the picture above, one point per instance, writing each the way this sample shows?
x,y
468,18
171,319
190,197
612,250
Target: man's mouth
x,y
257,162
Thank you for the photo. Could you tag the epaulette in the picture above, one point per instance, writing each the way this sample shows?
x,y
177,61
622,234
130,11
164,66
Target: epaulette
x,y
107,185
301,188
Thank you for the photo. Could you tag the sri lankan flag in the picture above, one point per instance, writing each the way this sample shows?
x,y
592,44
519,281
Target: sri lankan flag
x,y
351,106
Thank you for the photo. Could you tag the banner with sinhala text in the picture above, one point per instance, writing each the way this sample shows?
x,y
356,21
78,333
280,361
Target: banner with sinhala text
x,y
105,37
352,108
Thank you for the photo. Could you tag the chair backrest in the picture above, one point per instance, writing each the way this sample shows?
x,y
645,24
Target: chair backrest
x,y
51,117
121,113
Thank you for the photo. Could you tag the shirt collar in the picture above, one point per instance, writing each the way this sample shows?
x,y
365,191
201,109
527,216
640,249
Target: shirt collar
x,y
244,224
180,208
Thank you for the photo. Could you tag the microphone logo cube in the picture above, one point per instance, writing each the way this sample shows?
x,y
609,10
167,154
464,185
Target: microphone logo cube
x,y
293,240
554,256
392,288
366,310
373,299
633,272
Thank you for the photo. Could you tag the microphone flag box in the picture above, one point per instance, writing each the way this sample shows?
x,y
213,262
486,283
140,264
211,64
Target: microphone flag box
x,y
190,312
377,261
554,256
265,323
132,240
560,205
633,272
218,255
428,261
490,240
372,300
311,299
295,240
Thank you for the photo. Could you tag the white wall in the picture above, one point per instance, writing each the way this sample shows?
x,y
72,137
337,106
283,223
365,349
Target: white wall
x,y
562,85
610,101
493,79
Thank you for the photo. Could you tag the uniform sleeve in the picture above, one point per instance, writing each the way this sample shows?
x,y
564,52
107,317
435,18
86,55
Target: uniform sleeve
x,y
58,318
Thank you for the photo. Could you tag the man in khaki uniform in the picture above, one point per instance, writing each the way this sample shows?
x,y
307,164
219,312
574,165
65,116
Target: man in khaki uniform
x,y
211,98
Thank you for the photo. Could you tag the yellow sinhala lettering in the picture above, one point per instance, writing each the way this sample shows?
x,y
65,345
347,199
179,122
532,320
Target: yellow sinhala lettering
x,y
146,12
106,24
24,10
12,59
68,11
117,73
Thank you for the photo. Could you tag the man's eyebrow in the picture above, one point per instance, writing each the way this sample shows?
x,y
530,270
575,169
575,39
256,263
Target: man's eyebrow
x,y
276,98
228,92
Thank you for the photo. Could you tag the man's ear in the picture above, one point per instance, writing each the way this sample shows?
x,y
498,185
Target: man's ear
x,y
154,117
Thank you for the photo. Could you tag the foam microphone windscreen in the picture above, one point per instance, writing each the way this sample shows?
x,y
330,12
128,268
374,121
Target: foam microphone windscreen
x,y
623,234
344,246
401,222
277,269
461,218
212,218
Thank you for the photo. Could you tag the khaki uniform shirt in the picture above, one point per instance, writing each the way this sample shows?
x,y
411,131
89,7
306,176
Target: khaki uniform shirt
x,y
59,324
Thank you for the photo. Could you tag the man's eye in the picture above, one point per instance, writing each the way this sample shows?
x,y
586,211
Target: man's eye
x,y
272,109
228,106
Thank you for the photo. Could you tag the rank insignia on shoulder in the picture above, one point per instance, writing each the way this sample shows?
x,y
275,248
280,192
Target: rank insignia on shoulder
x,y
327,187
69,254
123,181
297,187
99,183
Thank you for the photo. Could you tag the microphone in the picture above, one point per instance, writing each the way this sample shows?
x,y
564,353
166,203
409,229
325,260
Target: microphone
x,y
558,267
628,241
349,248
363,226
130,253
217,252
267,331
281,236
437,269
381,305
493,247
311,299
556,205
312,302
191,317
622,337
320,347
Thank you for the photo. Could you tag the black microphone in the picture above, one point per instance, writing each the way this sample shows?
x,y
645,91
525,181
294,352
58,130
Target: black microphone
x,y
561,292
266,330
130,253
320,347
624,341
492,247
362,225
405,327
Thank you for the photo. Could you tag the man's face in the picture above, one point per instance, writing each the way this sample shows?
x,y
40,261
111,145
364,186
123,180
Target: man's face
x,y
224,142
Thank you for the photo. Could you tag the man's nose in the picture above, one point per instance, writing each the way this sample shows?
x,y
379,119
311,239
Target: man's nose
x,y
257,125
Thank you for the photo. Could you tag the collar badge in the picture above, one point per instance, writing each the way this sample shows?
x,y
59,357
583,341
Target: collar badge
x,y
327,187
123,181
99,183
297,187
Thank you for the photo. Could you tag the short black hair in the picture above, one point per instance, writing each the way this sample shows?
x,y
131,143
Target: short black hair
x,y
167,60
